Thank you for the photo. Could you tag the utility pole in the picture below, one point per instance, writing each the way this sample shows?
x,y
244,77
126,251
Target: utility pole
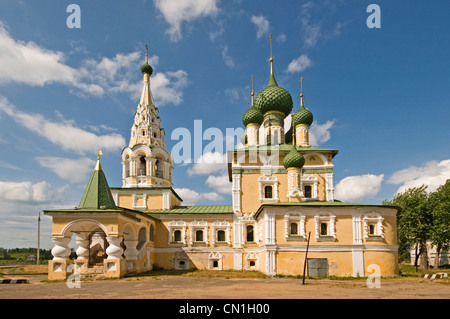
x,y
306,258
39,237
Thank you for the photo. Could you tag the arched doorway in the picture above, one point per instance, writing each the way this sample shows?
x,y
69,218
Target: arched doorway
x,y
97,247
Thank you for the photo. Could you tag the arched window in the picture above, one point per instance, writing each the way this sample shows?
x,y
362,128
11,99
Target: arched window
x,y
152,232
177,235
220,235
250,234
199,235
268,192
294,229
142,166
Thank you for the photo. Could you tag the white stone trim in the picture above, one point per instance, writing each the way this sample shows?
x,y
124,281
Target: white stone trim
x,y
174,225
268,180
373,217
331,219
216,226
215,256
196,225
252,256
300,219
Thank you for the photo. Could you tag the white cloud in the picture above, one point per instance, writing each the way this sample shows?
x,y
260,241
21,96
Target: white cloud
x,y
191,197
262,25
219,183
29,193
208,163
229,62
311,32
167,87
356,188
30,64
72,170
63,133
320,133
299,64
281,38
116,75
433,174
176,12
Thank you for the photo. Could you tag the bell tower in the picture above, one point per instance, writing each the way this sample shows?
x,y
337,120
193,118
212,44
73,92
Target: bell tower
x,y
145,161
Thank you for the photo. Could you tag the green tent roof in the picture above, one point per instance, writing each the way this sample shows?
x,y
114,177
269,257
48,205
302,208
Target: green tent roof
x,y
97,194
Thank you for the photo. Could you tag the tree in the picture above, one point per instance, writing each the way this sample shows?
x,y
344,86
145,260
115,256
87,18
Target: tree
x,y
440,210
414,221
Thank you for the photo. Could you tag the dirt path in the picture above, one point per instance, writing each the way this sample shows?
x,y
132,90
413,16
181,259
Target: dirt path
x,y
176,287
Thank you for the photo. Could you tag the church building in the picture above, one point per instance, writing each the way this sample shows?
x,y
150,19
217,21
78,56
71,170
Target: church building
x,y
283,209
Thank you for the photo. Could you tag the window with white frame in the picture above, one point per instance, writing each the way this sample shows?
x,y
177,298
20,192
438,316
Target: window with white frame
x,y
199,232
220,233
177,232
268,188
215,261
294,226
310,187
252,261
373,226
325,227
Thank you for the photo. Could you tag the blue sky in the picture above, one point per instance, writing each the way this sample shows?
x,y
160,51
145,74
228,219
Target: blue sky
x,y
380,96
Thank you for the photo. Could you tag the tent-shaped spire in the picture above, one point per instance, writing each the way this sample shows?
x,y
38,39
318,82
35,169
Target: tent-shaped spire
x,y
97,194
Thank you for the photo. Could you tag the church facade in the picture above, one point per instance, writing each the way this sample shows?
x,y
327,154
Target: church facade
x,y
283,210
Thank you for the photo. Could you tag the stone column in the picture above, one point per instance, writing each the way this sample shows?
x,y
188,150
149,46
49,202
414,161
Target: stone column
x,y
131,253
83,247
61,251
114,250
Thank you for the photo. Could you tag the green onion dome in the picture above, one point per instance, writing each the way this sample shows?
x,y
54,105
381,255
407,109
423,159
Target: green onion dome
x,y
303,116
244,138
274,98
252,116
146,68
293,159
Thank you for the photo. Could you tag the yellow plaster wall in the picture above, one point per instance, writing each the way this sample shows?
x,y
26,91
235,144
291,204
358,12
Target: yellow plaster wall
x,y
154,201
125,200
386,260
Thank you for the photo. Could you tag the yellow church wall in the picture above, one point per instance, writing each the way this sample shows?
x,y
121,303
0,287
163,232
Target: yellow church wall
x,y
60,223
125,200
154,201
387,261
340,263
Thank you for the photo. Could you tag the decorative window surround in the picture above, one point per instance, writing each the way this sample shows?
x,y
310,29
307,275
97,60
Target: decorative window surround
x,y
177,225
376,219
196,225
313,182
215,257
300,220
144,201
268,180
252,257
331,220
216,226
